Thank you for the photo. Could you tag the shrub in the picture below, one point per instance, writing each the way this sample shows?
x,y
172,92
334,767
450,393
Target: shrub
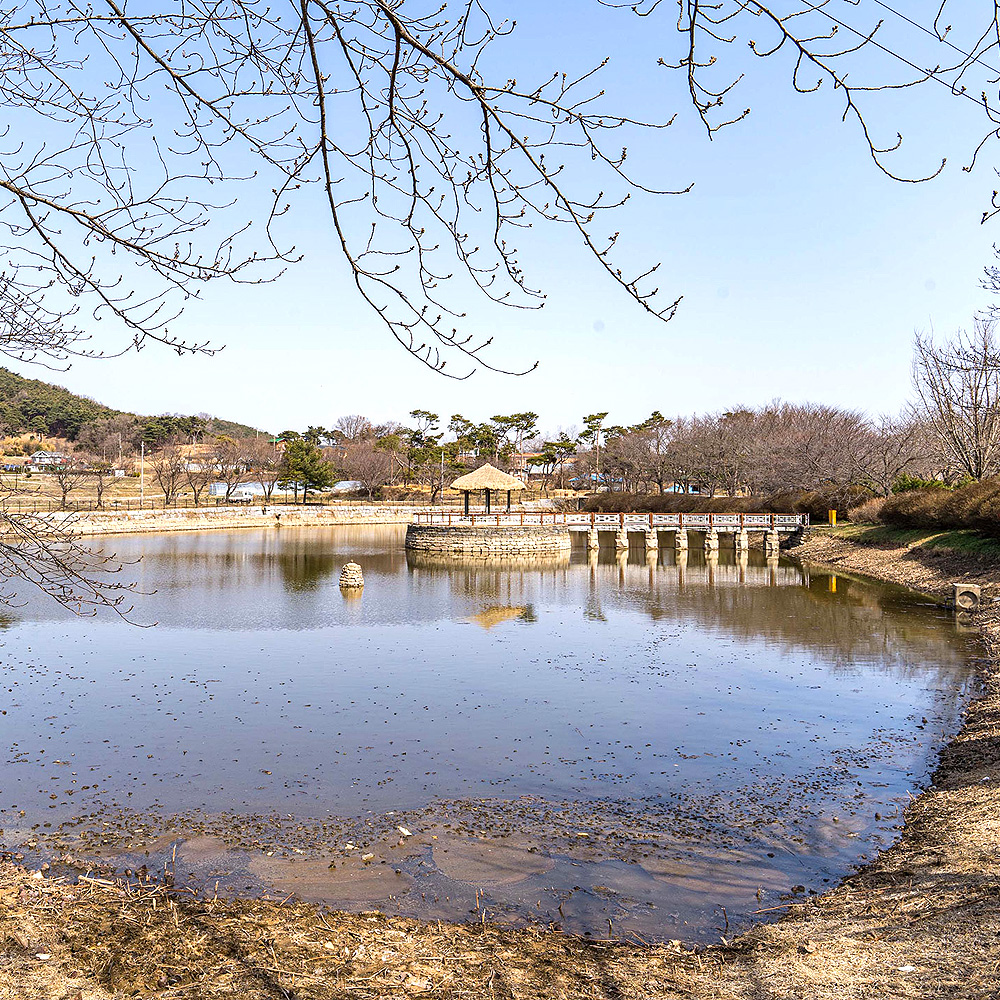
x,y
922,508
869,512
906,482
814,503
962,507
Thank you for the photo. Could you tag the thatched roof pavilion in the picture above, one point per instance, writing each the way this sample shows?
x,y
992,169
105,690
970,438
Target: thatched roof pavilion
x,y
489,480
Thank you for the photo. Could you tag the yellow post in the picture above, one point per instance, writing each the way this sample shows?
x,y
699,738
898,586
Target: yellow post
x,y
833,518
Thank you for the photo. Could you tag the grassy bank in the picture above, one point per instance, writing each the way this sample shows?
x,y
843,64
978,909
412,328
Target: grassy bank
x,y
926,559
922,920
963,541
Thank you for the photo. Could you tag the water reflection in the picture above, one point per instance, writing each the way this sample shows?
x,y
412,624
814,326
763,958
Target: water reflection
x,y
696,715
497,615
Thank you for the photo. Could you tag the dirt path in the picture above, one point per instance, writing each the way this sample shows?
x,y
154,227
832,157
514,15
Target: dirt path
x,y
923,920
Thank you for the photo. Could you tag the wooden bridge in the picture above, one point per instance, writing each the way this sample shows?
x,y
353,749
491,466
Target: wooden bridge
x,y
650,525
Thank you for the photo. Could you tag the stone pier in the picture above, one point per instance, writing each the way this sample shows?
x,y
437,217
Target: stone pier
x,y
681,539
711,540
652,540
593,539
772,542
740,541
621,540
488,539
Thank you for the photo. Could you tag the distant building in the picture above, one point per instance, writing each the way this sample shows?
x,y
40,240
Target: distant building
x,y
45,461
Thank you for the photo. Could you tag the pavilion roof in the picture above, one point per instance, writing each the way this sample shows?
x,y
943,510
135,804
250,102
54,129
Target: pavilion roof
x,y
487,478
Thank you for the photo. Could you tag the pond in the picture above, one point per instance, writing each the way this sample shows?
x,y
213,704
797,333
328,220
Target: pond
x,y
650,749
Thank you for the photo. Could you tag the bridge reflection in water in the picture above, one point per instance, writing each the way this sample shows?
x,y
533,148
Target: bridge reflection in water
x,y
664,569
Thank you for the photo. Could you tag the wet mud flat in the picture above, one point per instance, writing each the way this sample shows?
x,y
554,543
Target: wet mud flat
x,y
645,871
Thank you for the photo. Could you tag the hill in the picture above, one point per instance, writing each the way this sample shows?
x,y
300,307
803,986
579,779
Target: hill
x,y
29,405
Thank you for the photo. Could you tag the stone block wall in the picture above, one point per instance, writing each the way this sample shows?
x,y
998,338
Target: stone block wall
x,y
486,540
113,522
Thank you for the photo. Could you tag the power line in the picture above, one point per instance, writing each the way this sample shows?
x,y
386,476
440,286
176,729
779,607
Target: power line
x,y
929,74
936,36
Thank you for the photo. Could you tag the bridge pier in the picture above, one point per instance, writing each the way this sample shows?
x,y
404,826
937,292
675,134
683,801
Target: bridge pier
x,y
711,540
593,539
740,540
621,539
772,542
652,540
681,539
712,564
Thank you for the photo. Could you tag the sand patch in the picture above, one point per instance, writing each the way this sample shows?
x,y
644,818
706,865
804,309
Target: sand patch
x,y
198,850
487,862
347,880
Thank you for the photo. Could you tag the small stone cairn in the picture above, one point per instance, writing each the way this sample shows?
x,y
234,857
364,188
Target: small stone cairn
x,y
351,577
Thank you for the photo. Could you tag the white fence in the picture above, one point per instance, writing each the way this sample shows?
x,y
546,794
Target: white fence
x,y
615,522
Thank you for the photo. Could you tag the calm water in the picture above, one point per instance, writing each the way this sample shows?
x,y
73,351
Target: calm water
x,y
652,741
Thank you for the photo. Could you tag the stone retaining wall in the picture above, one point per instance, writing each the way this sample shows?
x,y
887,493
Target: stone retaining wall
x,y
231,516
483,539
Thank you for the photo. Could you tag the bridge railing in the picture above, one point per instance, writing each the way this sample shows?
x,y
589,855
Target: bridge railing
x,y
609,522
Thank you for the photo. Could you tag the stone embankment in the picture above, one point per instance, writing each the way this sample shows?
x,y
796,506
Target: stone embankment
x,y
488,540
111,522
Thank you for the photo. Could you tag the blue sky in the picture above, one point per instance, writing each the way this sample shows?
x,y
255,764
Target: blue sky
x,y
804,270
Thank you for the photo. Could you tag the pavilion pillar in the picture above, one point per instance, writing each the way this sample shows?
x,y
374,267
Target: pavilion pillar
x,y
508,501
487,501
465,494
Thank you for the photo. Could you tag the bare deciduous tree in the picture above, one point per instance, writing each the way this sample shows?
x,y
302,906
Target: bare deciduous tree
x,y
198,473
101,476
168,465
366,464
69,475
958,389
264,463
890,447
230,462
428,164
354,427
44,552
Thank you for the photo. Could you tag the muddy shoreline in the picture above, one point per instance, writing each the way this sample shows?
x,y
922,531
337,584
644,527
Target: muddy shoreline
x,y
920,921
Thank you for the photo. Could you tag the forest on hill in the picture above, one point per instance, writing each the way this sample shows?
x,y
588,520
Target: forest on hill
x,y
30,406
